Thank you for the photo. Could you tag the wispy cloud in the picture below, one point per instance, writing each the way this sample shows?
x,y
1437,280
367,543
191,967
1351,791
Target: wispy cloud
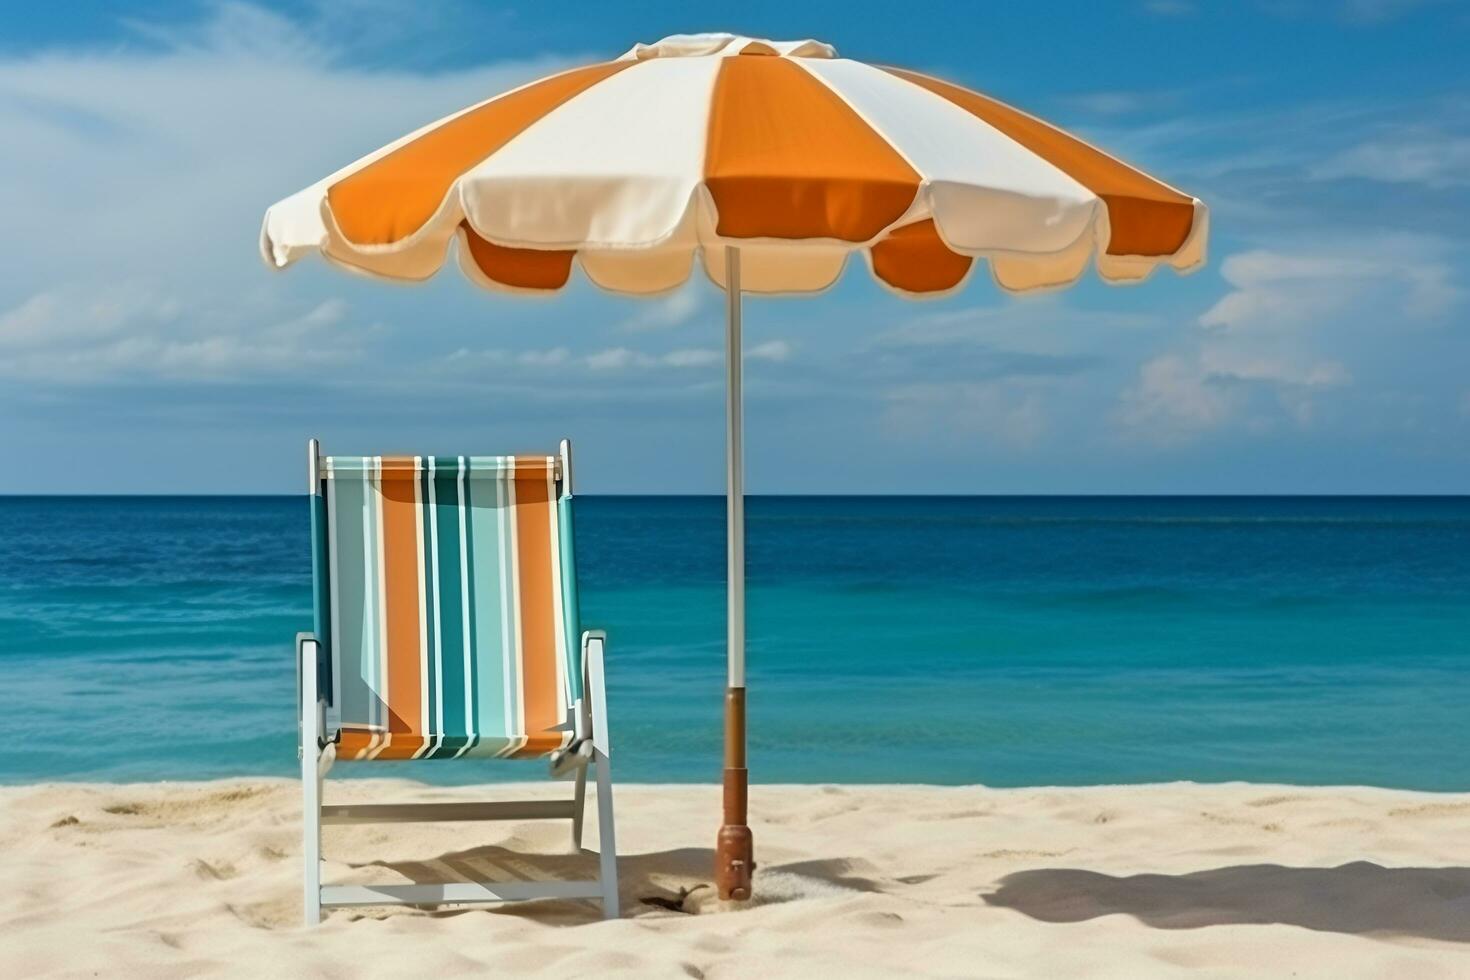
x,y
1272,348
1177,398
1172,400
1272,289
329,32
131,334
1170,8
1436,160
1035,338
1345,169
1361,13
1120,102
153,161
1378,11
774,351
1001,413
667,313
624,358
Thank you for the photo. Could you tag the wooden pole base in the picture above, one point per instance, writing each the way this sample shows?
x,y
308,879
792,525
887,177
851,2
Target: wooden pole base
x,y
734,848
734,863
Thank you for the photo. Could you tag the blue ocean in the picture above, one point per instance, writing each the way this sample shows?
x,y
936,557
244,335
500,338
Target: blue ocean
x,y
1005,641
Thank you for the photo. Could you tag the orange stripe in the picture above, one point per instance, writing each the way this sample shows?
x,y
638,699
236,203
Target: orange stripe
x,y
787,158
1147,217
353,743
401,563
915,258
394,196
538,611
523,268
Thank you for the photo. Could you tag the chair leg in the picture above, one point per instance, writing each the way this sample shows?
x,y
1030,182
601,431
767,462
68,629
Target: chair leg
x,y
607,839
579,808
308,652
311,834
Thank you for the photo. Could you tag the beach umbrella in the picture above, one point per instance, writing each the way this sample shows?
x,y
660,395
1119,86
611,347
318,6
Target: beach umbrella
x,y
768,163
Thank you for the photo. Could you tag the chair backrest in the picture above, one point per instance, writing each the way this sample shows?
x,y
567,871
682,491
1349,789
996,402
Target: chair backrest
x,y
449,605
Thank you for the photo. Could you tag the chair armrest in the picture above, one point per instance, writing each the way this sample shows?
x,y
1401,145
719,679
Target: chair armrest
x,y
309,714
593,642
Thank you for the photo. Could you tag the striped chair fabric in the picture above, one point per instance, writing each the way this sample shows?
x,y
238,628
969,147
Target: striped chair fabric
x,y
450,606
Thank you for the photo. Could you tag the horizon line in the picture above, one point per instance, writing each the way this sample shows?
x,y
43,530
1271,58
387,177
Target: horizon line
x,y
1329,494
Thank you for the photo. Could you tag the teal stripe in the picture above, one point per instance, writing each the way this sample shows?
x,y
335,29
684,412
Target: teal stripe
x,y
449,746
447,515
489,620
473,680
372,654
321,618
571,612
515,721
354,549
431,686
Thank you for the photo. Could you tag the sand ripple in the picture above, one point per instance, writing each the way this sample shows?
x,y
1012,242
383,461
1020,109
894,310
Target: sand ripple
x,y
173,880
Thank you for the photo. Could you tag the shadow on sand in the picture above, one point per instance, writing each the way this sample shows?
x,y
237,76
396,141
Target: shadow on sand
x,y
1358,898
657,875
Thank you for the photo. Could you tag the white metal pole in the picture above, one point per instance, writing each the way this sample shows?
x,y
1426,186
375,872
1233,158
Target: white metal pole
x,y
734,475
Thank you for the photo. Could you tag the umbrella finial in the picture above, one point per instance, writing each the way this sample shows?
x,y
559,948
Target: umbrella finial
x,y
722,45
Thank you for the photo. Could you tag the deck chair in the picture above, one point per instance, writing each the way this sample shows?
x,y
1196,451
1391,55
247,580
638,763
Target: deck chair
x,y
446,627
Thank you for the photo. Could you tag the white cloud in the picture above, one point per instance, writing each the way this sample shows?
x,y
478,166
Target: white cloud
x,y
614,359
1435,160
1172,399
496,356
152,164
1358,12
474,359
1177,398
771,350
1272,289
236,29
1233,363
624,358
1379,11
668,312
76,337
692,358
1037,319
1278,345
325,314
553,357
1293,331
70,316
1122,102
1170,8
1004,413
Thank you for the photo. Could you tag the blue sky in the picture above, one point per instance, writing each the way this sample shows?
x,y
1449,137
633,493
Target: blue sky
x,y
144,348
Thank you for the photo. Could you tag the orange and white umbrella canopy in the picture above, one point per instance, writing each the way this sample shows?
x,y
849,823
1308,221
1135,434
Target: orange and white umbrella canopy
x,y
635,167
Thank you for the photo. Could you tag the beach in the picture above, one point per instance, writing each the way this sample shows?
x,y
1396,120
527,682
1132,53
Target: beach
x,y
1041,629
204,879
903,652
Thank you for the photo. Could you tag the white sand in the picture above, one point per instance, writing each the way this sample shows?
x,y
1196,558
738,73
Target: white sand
x,y
1237,880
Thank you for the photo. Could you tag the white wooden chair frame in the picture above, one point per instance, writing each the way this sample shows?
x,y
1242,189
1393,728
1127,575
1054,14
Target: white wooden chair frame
x,y
591,748
317,759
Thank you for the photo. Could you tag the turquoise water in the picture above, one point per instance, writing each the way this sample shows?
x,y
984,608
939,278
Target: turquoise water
x,y
1009,641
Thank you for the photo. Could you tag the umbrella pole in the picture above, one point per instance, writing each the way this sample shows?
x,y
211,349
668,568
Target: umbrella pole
x,y
734,864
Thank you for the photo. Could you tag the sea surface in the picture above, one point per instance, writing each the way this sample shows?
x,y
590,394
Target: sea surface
x,y
1006,641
